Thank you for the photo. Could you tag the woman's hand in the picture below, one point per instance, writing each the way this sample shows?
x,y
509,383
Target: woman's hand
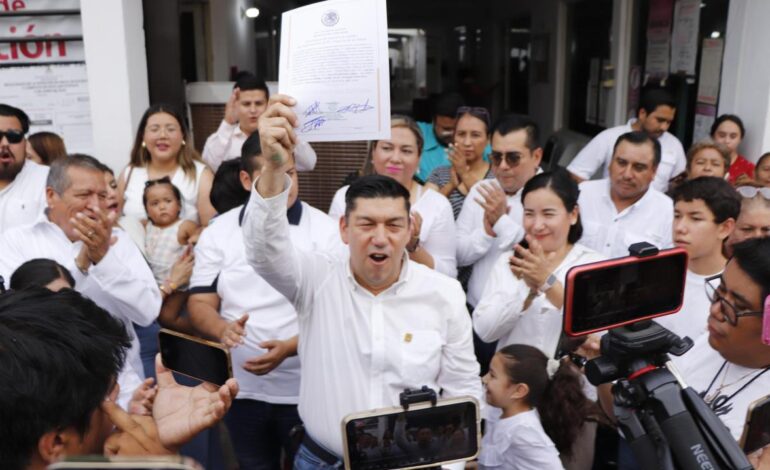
x,y
534,266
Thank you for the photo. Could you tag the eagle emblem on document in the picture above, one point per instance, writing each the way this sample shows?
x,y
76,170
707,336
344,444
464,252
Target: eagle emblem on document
x,y
330,18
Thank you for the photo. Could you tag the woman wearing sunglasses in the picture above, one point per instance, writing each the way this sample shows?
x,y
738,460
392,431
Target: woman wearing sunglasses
x,y
466,156
754,218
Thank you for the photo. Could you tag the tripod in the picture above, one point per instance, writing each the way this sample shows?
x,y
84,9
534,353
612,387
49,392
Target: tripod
x,y
667,425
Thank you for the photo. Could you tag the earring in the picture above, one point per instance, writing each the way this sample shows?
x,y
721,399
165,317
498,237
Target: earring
x,y
144,146
184,143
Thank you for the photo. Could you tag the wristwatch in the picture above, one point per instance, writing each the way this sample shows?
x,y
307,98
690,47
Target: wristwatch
x,y
549,282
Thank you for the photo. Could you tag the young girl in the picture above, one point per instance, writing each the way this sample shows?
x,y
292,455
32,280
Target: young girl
x,y
543,411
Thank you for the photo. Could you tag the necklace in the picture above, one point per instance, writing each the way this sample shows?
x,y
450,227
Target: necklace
x,y
709,398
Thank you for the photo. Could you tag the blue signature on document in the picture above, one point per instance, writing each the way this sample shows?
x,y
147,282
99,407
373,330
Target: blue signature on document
x,y
355,108
313,124
314,108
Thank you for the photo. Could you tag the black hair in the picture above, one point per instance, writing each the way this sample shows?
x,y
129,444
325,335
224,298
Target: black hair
x,y
640,138
447,104
560,401
563,186
719,196
516,122
762,159
249,81
39,272
728,117
251,149
372,187
164,181
753,256
226,190
10,111
654,97
59,355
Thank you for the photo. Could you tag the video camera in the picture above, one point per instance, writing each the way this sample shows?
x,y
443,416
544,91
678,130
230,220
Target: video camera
x,y
666,423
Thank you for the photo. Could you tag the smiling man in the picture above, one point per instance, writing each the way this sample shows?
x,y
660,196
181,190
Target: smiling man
x,y
623,209
22,182
371,324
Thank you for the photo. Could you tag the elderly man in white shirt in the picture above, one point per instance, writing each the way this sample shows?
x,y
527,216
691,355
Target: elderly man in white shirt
x,y
230,303
371,324
624,209
655,114
76,232
246,103
22,181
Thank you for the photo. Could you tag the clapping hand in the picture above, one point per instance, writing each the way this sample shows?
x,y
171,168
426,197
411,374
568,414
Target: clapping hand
x,y
534,265
495,205
96,235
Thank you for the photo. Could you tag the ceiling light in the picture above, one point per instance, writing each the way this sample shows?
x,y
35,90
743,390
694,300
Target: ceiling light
x,y
252,12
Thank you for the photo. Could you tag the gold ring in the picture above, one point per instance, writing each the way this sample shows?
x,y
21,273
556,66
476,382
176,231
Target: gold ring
x,y
90,234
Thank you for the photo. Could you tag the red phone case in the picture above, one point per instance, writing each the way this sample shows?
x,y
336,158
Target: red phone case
x,y
766,322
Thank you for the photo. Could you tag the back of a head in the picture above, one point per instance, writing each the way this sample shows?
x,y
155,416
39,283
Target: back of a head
x,y
58,177
11,111
640,138
250,151
249,81
447,104
49,146
226,190
60,354
753,256
654,97
719,196
374,187
39,272
516,122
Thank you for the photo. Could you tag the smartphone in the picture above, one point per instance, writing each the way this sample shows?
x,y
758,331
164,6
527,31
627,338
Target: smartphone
x,y
766,322
94,462
608,294
756,432
423,436
194,357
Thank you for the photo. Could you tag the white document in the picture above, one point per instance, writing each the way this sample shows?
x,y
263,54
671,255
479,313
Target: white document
x,y
334,62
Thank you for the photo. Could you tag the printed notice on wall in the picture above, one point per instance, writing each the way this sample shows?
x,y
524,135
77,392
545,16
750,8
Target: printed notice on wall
x,y
684,39
710,71
334,62
56,99
658,38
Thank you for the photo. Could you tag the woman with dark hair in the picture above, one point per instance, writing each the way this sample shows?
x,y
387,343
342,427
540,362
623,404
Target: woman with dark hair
x,y
161,149
42,272
522,300
45,148
728,130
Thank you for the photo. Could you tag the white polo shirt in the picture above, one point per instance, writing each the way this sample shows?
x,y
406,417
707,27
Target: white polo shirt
x,y
225,144
437,233
358,350
121,283
518,442
598,153
611,232
692,319
221,268
475,247
22,201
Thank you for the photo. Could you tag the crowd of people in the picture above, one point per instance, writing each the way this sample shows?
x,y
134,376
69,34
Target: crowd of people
x,y
442,263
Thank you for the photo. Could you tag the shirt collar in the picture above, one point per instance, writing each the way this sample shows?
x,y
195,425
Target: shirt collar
x,y
294,213
429,138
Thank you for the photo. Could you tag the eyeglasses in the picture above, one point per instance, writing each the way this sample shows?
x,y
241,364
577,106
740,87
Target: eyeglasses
x,y
512,159
749,192
14,137
475,111
715,289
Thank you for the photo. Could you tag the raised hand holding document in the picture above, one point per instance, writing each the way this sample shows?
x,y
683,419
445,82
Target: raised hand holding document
x,y
334,62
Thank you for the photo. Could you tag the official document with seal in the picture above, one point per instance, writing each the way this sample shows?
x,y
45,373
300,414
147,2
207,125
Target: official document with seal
x,y
334,62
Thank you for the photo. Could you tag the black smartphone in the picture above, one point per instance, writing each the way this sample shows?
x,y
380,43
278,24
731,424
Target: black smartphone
x,y
195,357
607,294
756,432
423,436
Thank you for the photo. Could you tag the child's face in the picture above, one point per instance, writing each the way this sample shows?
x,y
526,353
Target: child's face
x,y
162,205
500,392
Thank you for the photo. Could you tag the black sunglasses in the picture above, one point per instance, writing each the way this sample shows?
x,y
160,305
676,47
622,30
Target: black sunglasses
x,y
14,137
512,159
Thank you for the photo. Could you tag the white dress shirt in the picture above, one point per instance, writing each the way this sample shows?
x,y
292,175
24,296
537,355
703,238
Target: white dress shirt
x,y
121,283
598,153
358,350
437,232
225,144
475,247
518,443
500,315
22,201
221,268
692,320
611,233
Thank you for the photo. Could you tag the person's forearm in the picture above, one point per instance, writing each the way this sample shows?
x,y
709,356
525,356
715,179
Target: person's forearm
x,y
170,314
420,255
555,295
271,183
205,319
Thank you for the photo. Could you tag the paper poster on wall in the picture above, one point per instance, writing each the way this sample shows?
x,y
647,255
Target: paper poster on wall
x,y
17,6
710,71
56,99
705,114
684,38
658,38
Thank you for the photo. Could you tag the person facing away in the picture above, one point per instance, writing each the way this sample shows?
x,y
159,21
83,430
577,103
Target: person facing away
x,y
362,342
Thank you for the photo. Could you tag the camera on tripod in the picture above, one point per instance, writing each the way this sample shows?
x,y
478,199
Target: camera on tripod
x,y
666,423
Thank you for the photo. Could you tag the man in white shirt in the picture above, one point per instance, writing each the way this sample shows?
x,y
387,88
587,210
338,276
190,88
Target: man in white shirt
x,y
246,103
705,210
230,303
490,221
656,112
371,324
76,232
22,182
623,209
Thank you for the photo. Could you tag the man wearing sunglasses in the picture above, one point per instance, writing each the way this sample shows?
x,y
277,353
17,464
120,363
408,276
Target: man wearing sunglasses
x,y
22,182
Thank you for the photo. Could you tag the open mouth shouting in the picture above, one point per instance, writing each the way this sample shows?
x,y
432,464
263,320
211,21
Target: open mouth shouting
x,y
379,259
6,157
